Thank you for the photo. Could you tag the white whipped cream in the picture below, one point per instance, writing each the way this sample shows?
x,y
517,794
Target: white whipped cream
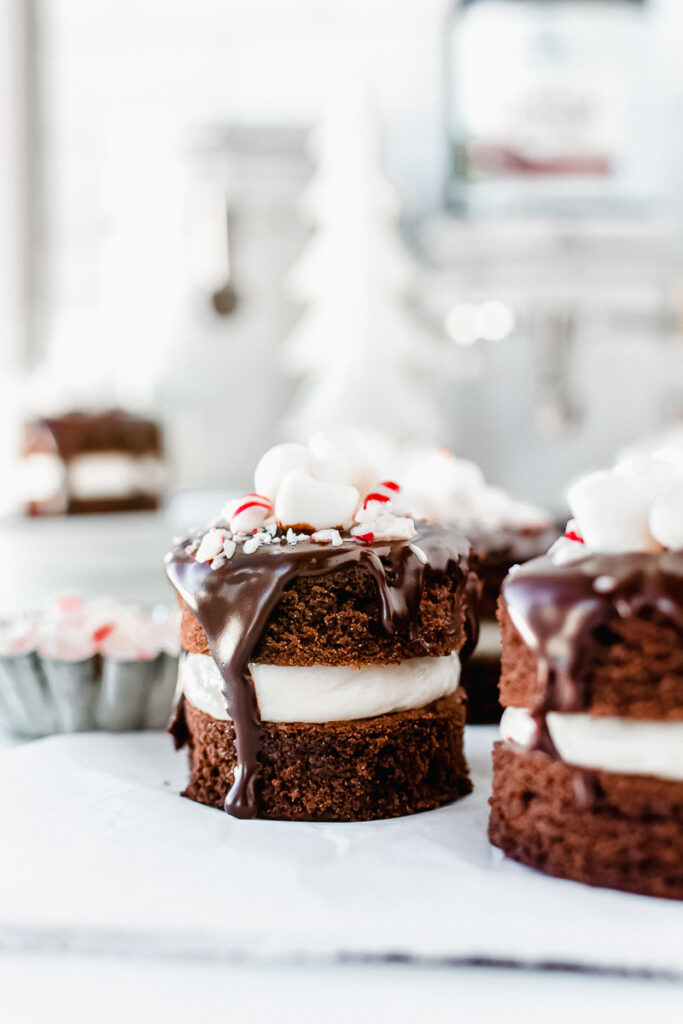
x,y
41,477
628,746
324,693
113,475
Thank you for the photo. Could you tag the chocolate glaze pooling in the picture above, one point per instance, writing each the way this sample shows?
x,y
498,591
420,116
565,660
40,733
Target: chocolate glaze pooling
x,y
233,605
558,610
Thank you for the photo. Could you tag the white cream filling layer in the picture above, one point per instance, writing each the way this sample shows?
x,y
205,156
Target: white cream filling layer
x,y
324,693
113,475
41,477
489,643
628,746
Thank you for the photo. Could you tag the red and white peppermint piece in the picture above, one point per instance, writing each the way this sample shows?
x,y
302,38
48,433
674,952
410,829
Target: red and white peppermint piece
x,y
365,538
250,513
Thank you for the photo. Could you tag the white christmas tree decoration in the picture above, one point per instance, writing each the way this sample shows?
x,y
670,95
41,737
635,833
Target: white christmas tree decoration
x,y
364,356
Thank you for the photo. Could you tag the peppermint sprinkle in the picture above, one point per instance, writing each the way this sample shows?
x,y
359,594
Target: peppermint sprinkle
x,y
327,537
251,545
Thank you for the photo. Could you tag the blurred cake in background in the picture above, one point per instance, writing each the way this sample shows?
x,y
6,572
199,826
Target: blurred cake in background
x,y
88,462
588,778
502,531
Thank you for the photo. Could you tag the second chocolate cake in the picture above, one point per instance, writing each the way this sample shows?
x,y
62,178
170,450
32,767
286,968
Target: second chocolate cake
x,y
320,674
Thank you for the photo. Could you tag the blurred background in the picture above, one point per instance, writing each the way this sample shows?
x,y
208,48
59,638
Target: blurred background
x,y
453,222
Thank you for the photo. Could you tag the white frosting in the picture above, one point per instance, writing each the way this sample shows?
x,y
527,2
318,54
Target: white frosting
x,y
324,693
42,477
628,746
112,475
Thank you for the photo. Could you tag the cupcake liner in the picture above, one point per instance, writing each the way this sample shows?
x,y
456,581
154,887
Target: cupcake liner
x,y
40,696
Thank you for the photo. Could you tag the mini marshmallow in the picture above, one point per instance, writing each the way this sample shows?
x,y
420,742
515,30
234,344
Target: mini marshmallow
x,y
666,517
211,545
648,473
277,462
612,513
314,504
251,513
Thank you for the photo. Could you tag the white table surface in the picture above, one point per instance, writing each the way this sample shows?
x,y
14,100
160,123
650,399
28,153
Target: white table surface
x,y
55,979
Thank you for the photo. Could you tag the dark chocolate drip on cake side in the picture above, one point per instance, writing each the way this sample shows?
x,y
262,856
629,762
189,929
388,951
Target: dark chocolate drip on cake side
x,y
558,611
233,605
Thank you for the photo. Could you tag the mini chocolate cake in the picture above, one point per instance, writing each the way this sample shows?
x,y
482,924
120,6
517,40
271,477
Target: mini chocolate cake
x,y
494,552
588,780
319,679
502,531
86,462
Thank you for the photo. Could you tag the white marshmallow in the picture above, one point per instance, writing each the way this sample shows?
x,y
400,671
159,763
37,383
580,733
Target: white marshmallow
x,y
648,473
612,513
277,462
314,504
666,517
250,514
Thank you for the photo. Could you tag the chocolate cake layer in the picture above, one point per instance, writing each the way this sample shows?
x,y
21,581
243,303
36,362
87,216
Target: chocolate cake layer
x,y
599,828
479,679
630,667
587,622
80,433
495,551
361,770
335,620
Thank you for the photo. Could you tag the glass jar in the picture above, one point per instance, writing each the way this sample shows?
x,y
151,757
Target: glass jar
x,y
550,106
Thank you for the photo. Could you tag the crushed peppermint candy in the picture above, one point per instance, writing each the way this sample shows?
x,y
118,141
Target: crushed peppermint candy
x,y
333,537
210,545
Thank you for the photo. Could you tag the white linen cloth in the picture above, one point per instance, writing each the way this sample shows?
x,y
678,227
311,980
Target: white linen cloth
x,y
98,853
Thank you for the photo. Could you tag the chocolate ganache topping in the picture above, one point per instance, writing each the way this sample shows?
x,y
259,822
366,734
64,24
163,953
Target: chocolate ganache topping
x,y
233,604
558,610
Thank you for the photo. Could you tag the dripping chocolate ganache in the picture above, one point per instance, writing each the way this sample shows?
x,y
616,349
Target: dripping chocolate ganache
x,y
321,631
